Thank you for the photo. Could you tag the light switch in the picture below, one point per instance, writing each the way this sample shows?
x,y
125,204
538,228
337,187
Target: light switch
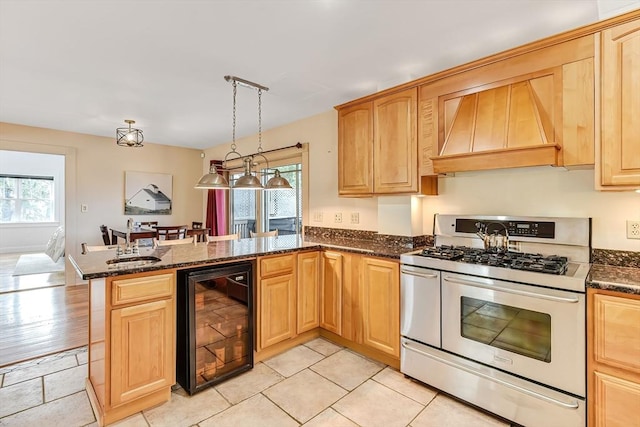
x,y
84,208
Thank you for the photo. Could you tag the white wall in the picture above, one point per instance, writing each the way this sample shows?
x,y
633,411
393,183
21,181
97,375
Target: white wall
x,y
543,191
32,237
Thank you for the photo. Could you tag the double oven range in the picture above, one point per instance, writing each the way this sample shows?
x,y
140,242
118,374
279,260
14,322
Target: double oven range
x,y
494,314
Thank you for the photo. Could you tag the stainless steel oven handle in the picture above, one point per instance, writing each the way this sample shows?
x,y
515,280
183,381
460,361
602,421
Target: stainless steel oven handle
x,y
569,405
510,291
415,273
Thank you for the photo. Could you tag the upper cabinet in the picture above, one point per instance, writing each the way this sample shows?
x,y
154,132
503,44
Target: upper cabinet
x,y
619,166
531,109
378,147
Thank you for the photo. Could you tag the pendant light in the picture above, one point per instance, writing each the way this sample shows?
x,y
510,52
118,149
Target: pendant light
x,y
212,180
129,137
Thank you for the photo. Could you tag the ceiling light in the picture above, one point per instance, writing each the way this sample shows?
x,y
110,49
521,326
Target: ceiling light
x,y
129,137
277,182
212,180
248,181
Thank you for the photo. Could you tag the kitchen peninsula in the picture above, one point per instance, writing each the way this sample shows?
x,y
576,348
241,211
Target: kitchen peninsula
x,y
132,327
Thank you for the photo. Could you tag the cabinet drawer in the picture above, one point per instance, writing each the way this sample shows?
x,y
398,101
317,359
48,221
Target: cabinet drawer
x,y
127,291
617,331
273,266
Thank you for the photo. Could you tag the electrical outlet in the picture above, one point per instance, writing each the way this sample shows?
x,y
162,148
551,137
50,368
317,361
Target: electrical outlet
x,y
84,208
355,218
317,216
633,229
337,218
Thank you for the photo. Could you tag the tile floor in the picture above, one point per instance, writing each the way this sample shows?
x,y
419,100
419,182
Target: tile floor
x,y
315,384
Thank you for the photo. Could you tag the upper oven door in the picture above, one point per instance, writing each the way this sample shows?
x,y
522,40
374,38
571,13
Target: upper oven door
x,y
534,332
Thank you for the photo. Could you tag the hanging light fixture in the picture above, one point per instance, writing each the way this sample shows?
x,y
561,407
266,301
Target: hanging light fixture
x,y
129,137
212,180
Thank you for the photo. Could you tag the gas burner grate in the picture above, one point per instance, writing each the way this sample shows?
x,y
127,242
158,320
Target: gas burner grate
x,y
551,264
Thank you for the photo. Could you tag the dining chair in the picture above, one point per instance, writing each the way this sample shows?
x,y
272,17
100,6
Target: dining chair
x,y
171,232
235,236
196,225
265,234
171,242
105,234
151,224
95,248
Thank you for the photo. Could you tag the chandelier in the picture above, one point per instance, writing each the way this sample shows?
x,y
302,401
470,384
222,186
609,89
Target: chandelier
x,y
129,137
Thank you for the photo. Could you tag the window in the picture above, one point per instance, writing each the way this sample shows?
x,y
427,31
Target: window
x,y
268,210
27,199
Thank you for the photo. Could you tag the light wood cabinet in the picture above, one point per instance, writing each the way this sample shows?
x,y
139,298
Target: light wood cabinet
x,y
331,292
381,305
613,340
308,291
131,343
276,299
619,166
377,147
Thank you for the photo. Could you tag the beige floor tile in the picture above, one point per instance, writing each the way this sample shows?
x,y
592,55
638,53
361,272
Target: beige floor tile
x,y
323,346
304,395
253,412
64,383
82,358
39,369
21,396
294,360
184,410
249,383
330,418
135,420
444,411
373,404
70,411
396,380
347,369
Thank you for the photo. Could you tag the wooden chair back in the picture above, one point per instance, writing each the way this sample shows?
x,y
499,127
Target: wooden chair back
x,y
223,237
91,248
196,224
171,232
105,234
265,234
170,242
148,224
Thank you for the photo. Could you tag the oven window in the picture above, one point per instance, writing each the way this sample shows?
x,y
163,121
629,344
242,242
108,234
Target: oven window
x,y
510,328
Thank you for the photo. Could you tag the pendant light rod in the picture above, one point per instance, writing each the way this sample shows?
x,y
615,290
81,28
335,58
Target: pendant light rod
x,y
246,83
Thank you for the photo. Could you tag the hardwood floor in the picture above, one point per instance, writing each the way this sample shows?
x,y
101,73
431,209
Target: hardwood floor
x,y
39,315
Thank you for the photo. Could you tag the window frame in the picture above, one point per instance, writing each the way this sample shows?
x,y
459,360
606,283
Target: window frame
x,y
54,200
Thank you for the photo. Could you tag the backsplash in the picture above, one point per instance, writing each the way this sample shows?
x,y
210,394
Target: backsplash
x,y
387,239
616,258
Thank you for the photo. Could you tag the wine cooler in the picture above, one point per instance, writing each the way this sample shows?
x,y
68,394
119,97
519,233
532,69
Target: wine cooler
x,y
214,337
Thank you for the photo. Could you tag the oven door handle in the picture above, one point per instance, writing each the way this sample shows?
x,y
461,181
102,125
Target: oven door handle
x,y
569,405
510,291
415,273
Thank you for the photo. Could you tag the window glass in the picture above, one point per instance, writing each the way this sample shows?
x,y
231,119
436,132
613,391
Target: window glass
x,y
510,328
26,199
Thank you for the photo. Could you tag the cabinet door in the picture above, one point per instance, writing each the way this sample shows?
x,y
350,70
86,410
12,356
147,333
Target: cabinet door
x,y
395,150
355,150
308,291
620,144
142,350
617,332
277,309
616,401
331,292
381,305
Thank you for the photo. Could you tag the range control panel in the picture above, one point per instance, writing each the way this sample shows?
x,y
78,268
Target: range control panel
x,y
538,229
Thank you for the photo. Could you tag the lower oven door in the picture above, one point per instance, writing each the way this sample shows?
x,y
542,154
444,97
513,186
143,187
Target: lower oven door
x,y
534,332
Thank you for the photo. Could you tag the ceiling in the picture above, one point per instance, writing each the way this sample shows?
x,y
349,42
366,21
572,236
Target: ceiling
x,y
87,65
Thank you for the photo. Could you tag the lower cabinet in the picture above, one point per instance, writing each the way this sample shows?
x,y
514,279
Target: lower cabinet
x,y
277,299
131,343
613,365
360,300
308,316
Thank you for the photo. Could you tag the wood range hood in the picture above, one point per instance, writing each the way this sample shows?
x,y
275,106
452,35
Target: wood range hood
x,y
502,125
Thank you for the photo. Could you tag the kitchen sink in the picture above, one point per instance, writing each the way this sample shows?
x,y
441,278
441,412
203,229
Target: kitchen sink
x,y
137,260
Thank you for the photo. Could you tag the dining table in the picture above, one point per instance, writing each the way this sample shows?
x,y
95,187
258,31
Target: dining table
x,y
135,233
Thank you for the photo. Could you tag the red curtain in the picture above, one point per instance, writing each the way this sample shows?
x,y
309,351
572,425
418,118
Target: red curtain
x,y
217,209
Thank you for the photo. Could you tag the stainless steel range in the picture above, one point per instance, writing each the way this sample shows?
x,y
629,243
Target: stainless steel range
x,y
494,314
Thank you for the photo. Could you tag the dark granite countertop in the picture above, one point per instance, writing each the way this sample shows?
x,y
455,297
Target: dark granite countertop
x,y
94,265
614,278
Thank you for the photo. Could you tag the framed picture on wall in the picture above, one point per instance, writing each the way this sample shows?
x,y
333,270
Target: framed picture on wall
x,y
147,193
